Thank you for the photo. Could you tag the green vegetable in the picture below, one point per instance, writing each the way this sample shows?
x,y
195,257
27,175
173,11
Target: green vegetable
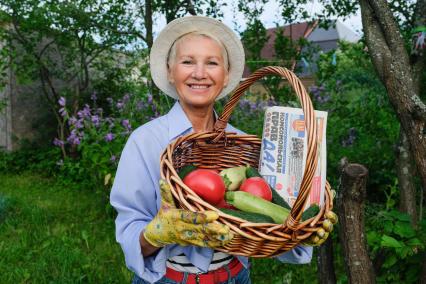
x,y
248,216
276,197
233,177
252,172
185,170
312,211
250,203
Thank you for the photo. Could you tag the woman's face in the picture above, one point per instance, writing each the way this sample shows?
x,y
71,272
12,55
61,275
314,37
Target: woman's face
x,y
198,71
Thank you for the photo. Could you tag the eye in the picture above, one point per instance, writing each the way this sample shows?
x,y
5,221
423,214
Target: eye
x,y
213,63
186,62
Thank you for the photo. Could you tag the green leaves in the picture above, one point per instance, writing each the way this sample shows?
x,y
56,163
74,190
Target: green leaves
x,y
404,230
388,241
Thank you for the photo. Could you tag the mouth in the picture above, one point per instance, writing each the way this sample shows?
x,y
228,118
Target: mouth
x,y
198,86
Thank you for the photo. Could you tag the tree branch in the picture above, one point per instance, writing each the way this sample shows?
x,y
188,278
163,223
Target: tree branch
x,y
99,26
375,38
45,47
390,60
190,8
390,29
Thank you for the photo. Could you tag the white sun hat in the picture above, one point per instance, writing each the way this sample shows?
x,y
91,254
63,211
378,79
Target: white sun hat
x,y
181,26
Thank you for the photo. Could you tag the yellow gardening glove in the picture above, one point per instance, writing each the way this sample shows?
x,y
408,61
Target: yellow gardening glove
x,y
322,234
183,227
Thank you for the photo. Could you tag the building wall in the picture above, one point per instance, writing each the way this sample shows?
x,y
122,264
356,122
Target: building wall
x,y
5,111
28,115
25,117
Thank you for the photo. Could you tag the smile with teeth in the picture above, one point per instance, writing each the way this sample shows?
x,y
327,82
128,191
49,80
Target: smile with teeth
x,y
193,86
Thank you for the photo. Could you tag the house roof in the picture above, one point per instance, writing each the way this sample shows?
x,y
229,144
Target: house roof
x,y
337,32
295,31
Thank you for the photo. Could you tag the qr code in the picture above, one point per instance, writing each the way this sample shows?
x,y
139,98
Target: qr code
x,y
296,148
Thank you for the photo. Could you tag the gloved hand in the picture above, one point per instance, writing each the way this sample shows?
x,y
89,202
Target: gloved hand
x,y
321,235
183,227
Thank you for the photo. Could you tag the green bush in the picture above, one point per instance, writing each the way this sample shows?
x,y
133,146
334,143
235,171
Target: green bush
x,y
361,123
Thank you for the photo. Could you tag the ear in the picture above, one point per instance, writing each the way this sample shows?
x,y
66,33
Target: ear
x,y
226,79
170,76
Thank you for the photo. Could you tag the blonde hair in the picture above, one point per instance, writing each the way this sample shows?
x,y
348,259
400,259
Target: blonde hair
x,y
172,52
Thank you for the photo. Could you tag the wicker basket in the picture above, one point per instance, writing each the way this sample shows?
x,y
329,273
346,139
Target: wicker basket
x,y
219,150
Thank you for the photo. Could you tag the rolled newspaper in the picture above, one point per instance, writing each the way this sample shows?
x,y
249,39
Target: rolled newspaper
x,y
284,149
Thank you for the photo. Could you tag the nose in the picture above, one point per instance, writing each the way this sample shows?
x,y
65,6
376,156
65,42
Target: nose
x,y
199,71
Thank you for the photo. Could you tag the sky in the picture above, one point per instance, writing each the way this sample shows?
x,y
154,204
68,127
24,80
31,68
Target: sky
x,y
271,16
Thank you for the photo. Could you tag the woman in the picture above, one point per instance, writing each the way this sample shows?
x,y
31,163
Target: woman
x,y
195,60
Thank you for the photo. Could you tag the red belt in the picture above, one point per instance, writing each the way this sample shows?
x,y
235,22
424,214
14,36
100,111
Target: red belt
x,y
211,277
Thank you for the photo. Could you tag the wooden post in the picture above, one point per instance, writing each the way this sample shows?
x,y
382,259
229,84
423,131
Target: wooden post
x,y
350,203
326,274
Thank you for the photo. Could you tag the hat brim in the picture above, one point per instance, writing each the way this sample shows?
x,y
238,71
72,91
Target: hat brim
x,y
181,26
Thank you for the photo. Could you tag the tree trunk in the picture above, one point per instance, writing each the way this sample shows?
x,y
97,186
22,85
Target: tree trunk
x,y
390,58
405,170
350,204
326,274
148,23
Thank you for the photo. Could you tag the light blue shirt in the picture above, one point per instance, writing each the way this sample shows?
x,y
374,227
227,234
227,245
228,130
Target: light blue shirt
x,y
135,195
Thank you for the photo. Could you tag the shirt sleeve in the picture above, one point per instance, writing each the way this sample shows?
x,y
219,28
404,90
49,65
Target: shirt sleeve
x,y
298,255
132,196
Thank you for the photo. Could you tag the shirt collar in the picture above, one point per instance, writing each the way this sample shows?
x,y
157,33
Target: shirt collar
x,y
179,123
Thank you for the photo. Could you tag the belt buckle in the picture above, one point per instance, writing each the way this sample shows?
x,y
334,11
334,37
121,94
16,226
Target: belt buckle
x,y
197,278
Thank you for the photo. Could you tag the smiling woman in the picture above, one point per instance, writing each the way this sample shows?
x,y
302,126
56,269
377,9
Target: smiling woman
x,y
195,60
198,71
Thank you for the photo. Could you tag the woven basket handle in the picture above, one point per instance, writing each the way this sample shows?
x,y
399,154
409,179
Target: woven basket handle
x,y
310,126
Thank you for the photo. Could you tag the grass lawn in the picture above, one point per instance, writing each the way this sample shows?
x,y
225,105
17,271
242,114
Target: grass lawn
x,y
53,234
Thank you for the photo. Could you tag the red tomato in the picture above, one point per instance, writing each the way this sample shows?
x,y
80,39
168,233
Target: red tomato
x,y
258,187
224,204
207,184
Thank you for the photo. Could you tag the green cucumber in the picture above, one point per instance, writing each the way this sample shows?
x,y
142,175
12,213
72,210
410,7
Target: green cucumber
x,y
276,197
249,203
252,172
185,170
312,211
248,216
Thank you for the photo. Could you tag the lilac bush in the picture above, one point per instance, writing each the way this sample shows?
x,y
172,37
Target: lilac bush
x,y
97,136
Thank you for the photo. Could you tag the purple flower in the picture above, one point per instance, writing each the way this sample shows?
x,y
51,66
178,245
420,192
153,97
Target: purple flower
x,y
119,105
95,120
109,137
58,142
63,111
126,124
72,121
94,97
150,98
140,105
62,101
74,138
126,98
79,124
113,158
110,101
85,112
244,103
